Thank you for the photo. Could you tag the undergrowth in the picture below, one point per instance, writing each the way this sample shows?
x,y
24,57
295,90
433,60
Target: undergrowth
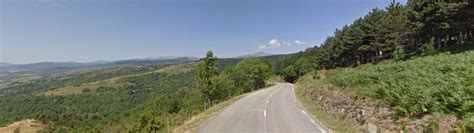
x,y
442,83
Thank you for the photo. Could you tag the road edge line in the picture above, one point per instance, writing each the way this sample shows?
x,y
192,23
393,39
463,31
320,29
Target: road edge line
x,y
309,113
220,111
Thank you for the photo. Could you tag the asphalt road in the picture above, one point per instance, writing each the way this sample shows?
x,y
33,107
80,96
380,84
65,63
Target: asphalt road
x,y
273,110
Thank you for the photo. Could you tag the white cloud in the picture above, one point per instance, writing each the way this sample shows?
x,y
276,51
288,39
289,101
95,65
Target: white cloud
x,y
262,46
277,43
272,43
299,42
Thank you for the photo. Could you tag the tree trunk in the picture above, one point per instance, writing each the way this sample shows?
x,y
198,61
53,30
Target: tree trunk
x,y
438,41
373,54
461,38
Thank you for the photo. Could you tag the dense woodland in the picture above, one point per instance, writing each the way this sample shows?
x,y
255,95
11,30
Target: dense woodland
x,y
91,109
397,32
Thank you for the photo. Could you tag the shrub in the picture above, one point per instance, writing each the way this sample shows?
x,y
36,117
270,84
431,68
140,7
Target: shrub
x,y
86,90
441,83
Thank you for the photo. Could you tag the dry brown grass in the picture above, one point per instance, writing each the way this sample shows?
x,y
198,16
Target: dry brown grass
x,y
3,84
113,82
117,82
24,126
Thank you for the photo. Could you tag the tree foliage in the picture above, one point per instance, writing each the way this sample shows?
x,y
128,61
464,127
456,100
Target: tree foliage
x,y
251,74
207,72
396,32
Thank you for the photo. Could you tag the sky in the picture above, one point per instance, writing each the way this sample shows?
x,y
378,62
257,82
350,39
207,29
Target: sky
x,y
91,30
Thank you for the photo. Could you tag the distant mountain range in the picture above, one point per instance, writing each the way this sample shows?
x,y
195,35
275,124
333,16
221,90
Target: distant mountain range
x,y
258,54
41,66
5,64
6,68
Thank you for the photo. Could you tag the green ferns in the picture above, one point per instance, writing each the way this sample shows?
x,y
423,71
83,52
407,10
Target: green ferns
x,y
442,83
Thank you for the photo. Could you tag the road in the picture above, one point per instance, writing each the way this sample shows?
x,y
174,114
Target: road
x,y
274,109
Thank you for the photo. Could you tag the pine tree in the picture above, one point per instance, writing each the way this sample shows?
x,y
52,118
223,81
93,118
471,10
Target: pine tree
x,y
207,70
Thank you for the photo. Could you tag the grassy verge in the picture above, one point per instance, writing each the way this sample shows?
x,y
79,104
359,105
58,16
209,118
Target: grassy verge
x,y
336,125
193,124
430,94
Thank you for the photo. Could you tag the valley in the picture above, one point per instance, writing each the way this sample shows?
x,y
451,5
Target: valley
x,y
237,66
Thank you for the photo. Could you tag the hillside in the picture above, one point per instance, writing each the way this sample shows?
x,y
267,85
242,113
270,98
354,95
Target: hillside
x,y
407,67
398,31
23,73
112,99
433,93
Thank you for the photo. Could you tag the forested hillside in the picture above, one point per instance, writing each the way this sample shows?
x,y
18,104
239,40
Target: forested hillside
x,y
141,99
401,67
92,108
397,32
406,67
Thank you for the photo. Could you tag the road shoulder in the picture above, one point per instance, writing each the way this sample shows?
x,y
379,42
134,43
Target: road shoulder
x,y
193,124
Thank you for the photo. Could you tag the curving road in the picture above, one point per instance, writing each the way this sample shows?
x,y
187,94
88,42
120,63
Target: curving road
x,y
274,109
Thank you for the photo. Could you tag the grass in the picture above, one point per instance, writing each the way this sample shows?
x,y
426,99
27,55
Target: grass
x,y
3,84
68,90
442,83
115,82
194,123
23,126
336,125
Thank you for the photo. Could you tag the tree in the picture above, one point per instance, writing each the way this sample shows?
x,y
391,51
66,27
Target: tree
x,y
207,70
251,74
399,53
382,34
224,87
303,66
428,48
290,73
86,90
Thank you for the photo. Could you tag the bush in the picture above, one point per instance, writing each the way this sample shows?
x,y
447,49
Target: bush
x,y
441,83
86,90
251,74
399,53
428,48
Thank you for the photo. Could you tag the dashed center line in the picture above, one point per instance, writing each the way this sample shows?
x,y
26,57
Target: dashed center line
x,y
265,113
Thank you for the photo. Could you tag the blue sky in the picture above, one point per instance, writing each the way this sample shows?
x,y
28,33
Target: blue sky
x,y
89,30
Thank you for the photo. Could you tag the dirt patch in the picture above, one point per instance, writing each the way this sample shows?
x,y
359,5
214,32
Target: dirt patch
x,y
23,126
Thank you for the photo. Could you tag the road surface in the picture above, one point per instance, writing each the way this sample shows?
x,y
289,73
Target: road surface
x,y
274,109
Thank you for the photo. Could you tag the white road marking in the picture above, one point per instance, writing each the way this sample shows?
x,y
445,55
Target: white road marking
x,y
265,113
302,111
267,101
322,131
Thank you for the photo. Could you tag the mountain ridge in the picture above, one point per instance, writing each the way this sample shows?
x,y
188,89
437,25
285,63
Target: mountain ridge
x,y
257,54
